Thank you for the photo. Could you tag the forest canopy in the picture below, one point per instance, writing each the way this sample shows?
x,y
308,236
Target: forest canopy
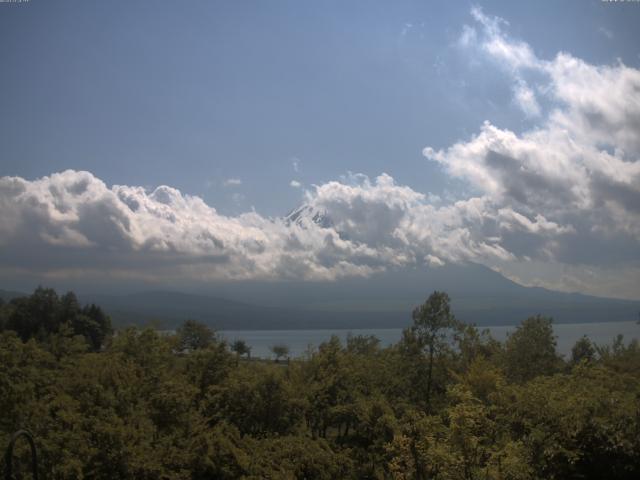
x,y
446,402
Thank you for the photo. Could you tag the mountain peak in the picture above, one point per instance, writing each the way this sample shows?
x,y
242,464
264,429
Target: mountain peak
x,y
307,214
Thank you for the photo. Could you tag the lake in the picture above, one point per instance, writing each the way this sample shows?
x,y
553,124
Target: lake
x,y
299,341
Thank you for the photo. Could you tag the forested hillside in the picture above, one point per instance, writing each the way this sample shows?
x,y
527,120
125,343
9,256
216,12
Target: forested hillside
x,y
446,402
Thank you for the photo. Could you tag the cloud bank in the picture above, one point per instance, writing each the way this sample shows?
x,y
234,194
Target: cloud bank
x,y
557,205
73,222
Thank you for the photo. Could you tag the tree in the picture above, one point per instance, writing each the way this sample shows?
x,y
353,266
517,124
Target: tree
x,y
433,323
44,313
583,350
531,350
578,425
3,314
194,335
90,322
279,350
207,367
35,315
298,456
258,399
241,348
472,343
620,356
362,344
68,307
43,306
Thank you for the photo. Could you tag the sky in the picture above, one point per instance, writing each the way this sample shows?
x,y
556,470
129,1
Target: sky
x,y
168,140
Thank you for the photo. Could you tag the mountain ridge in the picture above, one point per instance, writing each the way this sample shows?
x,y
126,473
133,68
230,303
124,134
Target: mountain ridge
x,y
478,295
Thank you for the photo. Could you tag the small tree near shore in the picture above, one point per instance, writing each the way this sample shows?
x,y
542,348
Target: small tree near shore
x,y
280,350
194,335
241,348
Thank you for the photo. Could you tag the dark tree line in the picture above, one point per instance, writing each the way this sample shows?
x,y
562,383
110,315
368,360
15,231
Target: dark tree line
x,y
45,313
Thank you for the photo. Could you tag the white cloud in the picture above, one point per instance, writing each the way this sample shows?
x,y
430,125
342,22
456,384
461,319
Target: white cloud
x,y
515,57
511,53
295,184
74,221
576,173
295,163
232,182
433,261
526,99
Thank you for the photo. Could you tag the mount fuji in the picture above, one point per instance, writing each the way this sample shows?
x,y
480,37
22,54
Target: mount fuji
x,y
478,294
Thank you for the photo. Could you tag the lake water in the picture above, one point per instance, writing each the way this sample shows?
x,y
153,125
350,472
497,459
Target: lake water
x,y
299,341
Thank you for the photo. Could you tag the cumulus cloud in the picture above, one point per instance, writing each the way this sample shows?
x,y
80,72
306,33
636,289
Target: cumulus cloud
x,y
75,222
295,184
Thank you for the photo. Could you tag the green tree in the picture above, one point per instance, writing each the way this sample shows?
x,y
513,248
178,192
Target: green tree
x,y
258,399
65,342
419,450
93,324
579,425
531,350
194,335
473,343
299,457
220,452
620,356
433,328
583,351
68,307
43,313
241,348
362,344
35,315
3,314
279,350
207,367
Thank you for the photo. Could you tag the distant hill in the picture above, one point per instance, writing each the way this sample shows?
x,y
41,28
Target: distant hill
x,y
479,295
169,309
165,309
7,295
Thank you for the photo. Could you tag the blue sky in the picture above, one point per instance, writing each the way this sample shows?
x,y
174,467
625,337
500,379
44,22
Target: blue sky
x,y
192,93
371,113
